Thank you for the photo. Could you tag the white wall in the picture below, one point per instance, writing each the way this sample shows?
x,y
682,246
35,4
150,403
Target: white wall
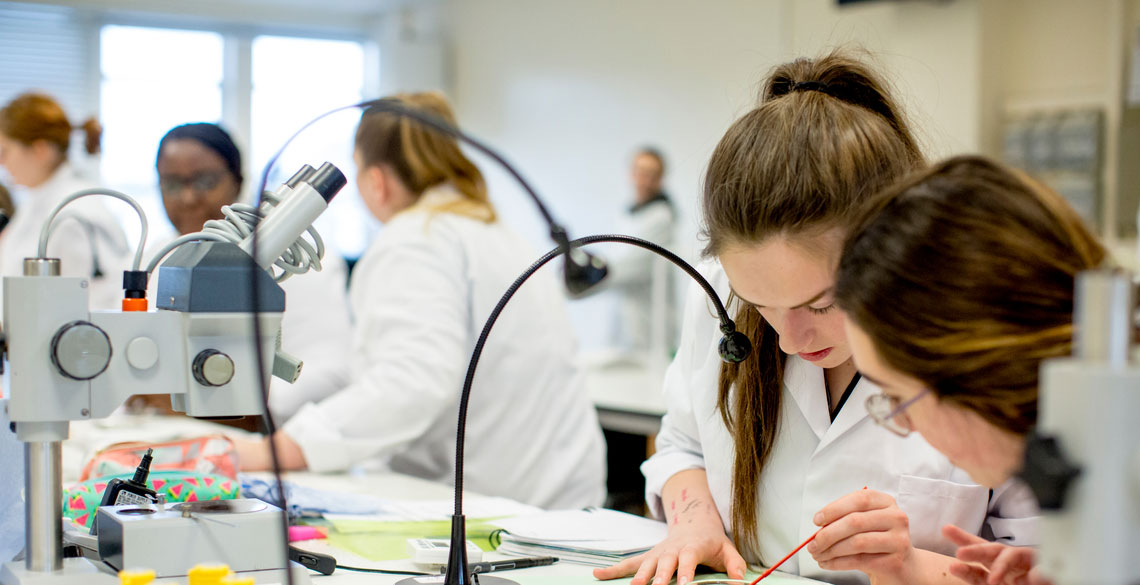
x,y
929,50
568,89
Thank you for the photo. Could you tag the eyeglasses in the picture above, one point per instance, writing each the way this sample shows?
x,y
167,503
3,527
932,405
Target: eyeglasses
x,y
199,184
890,414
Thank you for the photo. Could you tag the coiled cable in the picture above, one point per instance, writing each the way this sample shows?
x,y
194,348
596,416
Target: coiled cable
x,y
238,223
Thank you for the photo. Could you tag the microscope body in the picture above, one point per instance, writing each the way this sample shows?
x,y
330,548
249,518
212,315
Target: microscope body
x,y
71,363
1083,461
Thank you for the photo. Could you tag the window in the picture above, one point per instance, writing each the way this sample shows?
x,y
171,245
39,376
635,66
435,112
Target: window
x,y
294,81
153,79
144,93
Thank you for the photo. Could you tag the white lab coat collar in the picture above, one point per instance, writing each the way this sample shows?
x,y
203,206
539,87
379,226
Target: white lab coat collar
x,y
436,197
804,381
61,183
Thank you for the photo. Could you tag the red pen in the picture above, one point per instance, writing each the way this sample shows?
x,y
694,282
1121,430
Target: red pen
x,y
790,555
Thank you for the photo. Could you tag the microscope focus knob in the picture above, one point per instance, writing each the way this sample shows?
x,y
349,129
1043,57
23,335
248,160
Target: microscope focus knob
x,y
80,350
1048,471
213,368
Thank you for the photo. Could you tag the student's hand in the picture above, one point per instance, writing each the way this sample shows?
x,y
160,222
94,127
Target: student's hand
x,y
991,563
696,537
864,531
254,455
686,547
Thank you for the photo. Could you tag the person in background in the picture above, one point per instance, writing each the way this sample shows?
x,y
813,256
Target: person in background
x,y
774,448
35,136
6,206
200,171
421,294
957,283
632,270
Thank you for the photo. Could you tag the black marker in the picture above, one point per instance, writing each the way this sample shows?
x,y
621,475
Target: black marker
x,y
526,563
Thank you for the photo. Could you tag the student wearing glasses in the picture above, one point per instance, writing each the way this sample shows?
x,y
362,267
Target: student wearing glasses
x,y
753,458
199,172
957,284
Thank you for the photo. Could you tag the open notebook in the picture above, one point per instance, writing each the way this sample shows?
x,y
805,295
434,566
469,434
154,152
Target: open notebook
x,y
593,536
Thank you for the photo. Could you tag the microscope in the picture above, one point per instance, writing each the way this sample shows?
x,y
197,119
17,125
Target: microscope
x,y
69,362
1083,461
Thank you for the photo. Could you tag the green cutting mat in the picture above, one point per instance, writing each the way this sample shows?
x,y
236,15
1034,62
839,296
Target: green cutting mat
x,y
388,541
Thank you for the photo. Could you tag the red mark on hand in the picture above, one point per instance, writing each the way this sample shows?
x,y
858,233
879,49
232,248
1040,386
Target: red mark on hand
x,y
674,505
684,494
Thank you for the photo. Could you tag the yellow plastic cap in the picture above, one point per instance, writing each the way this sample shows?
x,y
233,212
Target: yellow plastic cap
x,y
208,574
237,581
136,577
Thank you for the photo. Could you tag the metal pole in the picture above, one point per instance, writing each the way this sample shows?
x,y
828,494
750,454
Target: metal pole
x,y
1102,317
43,479
44,523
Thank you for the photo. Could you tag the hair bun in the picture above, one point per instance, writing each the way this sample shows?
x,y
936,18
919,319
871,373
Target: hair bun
x,y
92,134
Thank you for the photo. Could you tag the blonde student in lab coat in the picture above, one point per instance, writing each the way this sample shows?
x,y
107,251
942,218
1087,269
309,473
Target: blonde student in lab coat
x,y
957,357
35,136
420,296
200,171
749,454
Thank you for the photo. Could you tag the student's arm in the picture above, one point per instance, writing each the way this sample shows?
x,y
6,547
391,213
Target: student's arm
x,y
410,353
696,537
867,531
676,483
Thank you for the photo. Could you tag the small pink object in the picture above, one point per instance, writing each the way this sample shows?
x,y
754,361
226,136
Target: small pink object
x,y
306,533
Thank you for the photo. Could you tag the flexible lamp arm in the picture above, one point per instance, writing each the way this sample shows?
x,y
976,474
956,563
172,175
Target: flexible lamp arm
x,y
733,347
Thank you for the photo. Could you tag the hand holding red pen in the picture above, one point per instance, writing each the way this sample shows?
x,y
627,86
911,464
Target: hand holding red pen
x,y
864,531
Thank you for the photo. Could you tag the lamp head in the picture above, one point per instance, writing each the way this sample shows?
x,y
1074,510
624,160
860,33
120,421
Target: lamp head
x,y
583,272
734,347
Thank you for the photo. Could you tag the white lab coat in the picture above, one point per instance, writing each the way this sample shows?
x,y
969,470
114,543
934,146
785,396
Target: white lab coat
x,y
316,328
815,461
632,272
88,233
420,296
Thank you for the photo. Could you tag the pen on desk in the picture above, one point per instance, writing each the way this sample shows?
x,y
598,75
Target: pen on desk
x,y
507,565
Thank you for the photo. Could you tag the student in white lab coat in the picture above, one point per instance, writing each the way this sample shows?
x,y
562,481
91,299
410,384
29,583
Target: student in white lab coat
x,y
652,217
759,448
420,296
34,139
988,260
199,171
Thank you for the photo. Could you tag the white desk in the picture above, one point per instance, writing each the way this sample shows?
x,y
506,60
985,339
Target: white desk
x,y
408,488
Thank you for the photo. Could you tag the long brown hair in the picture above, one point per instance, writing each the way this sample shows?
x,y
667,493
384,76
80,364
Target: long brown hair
x,y
825,136
422,157
36,116
963,278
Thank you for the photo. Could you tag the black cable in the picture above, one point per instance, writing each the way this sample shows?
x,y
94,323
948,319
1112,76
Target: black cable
x,y
384,571
726,327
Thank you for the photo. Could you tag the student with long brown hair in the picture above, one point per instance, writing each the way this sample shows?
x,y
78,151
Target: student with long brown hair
x,y
35,136
750,454
420,296
957,283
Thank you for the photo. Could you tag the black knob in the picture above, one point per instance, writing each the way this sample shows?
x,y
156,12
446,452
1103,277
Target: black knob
x,y
1047,471
212,368
80,350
